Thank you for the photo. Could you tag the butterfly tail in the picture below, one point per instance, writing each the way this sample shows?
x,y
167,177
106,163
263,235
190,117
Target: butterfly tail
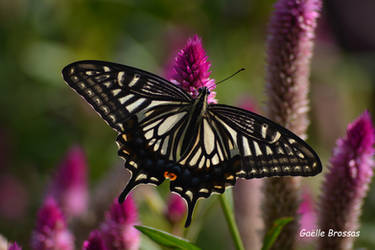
x,y
126,191
191,206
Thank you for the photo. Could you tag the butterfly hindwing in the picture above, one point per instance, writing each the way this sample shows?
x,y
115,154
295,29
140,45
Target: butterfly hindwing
x,y
265,148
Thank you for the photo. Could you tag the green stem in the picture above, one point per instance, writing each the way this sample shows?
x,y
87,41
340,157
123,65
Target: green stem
x,y
231,223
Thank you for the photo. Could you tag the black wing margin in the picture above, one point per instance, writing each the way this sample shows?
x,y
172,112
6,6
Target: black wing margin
x,y
117,92
264,147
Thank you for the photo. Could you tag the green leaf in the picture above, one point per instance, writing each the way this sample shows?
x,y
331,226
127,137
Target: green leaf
x,y
274,232
166,239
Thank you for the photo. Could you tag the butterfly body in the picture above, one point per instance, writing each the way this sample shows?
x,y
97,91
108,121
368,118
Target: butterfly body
x,y
201,148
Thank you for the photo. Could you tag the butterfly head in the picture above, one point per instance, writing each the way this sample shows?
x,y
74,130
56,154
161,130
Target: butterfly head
x,y
202,97
203,91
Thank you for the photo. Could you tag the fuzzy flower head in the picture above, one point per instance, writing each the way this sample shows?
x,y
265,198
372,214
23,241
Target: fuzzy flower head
x,y
14,246
51,231
118,228
176,208
347,182
95,242
289,51
70,183
353,155
191,69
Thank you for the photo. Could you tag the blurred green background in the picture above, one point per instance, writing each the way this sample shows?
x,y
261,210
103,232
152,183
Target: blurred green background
x,y
41,117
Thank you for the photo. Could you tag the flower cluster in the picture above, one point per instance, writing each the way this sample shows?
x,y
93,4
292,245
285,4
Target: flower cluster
x,y
289,50
94,242
191,69
176,209
347,182
117,230
51,230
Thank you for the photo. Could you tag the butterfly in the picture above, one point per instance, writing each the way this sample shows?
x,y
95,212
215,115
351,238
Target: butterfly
x,y
164,133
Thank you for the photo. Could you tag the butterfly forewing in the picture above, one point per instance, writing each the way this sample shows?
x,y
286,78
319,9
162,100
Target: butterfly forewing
x,y
117,92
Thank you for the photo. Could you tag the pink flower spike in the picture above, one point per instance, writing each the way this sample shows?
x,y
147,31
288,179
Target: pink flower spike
x,y
51,231
176,208
347,182
95,242
290,43
289,50
191,69
70,183
14,246
118,228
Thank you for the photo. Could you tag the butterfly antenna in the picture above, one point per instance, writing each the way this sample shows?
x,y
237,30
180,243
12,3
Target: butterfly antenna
x,y
229,77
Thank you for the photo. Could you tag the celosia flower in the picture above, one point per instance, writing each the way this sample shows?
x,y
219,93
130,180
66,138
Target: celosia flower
x,y
176,208
14,246
191,69
118,228
51,231
70,184
346,183
95,242
289,50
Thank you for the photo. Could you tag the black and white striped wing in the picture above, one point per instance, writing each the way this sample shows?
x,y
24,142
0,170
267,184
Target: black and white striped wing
x,y
154,118
263,147
149,113
117,92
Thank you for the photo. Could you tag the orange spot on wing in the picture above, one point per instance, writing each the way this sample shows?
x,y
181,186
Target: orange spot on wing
x,y
170,176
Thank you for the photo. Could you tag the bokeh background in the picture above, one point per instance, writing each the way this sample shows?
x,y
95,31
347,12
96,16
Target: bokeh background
x,y
41,117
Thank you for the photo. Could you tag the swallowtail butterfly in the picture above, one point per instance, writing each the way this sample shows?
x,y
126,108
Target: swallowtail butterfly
x,y
164,133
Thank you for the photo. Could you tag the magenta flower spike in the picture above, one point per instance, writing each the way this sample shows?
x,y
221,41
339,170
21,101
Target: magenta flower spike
x,y
95,242
176,208
346,184
118,228
51,231
191,69
289,50
14,246
70,184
